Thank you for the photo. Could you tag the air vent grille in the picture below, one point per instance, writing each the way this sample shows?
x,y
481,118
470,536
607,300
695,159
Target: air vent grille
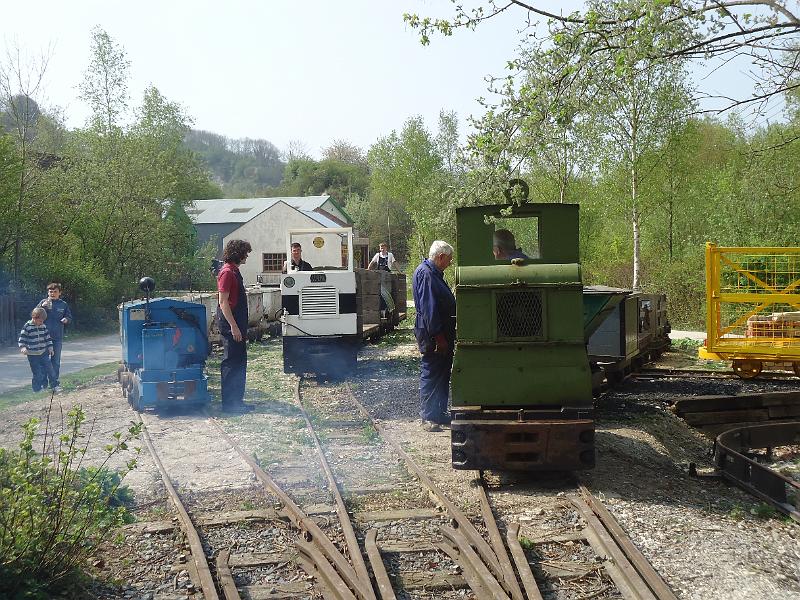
x,y
519,314
319,301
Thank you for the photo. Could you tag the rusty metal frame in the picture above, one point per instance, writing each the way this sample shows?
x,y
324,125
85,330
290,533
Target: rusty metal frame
x,y
758,479
196,546
522,439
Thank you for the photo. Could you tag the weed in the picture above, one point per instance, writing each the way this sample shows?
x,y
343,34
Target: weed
x,y
737,513
686,345
526,543
763,510
370,433
53,513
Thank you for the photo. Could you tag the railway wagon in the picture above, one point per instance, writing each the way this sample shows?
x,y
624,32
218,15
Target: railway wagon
x,y
635,332
521,381
263,310
330,310
164,349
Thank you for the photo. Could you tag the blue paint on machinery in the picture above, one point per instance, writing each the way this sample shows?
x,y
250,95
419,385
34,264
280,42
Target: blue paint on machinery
x,y
164,350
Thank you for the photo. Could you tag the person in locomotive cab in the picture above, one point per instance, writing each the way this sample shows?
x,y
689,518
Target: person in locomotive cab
x,y
435,330
383,260
232,323
504,246
297,264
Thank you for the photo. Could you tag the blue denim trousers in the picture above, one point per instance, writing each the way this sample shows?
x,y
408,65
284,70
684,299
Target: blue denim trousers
x,y
41,370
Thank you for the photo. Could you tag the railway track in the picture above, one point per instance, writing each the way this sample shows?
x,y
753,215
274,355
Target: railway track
x,y
368,521
707,374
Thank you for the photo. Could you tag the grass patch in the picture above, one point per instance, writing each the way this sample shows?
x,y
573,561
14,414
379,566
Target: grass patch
x,y
69,382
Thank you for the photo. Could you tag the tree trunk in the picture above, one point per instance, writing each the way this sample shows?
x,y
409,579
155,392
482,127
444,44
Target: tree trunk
x,y
637,259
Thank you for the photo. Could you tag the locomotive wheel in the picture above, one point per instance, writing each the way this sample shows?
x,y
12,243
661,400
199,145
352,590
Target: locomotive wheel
x,y
747,369
796,367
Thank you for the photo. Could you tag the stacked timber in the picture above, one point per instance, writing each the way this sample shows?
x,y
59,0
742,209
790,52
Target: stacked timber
x,y
368,298
399,294
714,414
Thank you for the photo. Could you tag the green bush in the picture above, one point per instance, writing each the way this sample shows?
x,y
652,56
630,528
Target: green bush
x,y
53,513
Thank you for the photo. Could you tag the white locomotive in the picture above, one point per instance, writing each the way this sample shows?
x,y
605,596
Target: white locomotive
x,y
330,309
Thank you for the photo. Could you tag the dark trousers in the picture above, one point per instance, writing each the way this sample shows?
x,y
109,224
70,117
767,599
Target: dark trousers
x,y
41,370
233,370
434,385
55,360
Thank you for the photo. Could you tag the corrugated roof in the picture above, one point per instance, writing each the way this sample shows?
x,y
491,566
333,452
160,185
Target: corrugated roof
x,y
242,210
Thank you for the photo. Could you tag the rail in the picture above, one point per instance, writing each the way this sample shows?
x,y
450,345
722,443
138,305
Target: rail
x,y
758,479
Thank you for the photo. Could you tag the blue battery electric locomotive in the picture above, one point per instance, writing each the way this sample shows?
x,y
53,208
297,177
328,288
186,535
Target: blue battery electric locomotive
x,y
164,350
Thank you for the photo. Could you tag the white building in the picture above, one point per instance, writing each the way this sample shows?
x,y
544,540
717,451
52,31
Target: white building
x,y
264,222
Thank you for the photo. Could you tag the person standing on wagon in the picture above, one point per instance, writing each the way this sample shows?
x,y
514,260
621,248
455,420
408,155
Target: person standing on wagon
x,y
58,315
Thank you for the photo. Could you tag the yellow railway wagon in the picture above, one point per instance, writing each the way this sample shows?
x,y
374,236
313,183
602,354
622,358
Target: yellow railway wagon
x,y
753,307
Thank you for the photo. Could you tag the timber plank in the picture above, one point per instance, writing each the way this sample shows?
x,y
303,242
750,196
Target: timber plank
x,y
726,416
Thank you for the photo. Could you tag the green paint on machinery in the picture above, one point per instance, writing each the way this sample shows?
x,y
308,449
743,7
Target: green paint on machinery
x,y
521,382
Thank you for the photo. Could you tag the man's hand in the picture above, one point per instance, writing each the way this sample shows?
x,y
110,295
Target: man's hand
x,y
237,335
441,343
24,351
65,320
52,352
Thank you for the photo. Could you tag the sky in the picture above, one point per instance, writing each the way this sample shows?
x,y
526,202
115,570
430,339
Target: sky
x,y
312,71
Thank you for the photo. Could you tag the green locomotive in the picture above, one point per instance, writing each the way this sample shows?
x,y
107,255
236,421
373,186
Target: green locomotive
x,y
521,381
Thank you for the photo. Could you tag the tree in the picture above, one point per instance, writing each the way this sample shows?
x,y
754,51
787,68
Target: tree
x,y
764,31
20,81
345,152
105,84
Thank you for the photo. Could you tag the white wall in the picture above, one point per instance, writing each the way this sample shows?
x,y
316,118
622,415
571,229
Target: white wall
x,y
267,233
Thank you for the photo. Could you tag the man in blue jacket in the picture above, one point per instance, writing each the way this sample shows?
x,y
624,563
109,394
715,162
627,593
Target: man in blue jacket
x,y
435,330
58,315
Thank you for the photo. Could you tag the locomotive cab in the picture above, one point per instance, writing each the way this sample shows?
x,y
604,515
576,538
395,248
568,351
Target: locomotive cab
x,y
521,382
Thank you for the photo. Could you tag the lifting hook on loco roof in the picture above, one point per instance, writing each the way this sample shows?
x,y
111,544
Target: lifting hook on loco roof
x,y
517,192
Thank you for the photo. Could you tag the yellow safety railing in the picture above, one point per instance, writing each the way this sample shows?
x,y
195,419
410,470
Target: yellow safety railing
x,y
753,303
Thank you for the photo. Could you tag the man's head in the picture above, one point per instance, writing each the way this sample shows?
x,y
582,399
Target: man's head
x,y
54,291
441,254
38,315
383,248
236,251
297,252
503,244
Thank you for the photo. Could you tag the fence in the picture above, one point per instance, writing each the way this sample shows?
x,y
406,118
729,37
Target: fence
x,y
15,309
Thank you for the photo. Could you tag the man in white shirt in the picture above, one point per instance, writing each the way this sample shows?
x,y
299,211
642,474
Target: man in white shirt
x,y
383,260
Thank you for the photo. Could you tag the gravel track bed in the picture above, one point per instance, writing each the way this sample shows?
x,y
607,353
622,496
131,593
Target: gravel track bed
x,y
708,540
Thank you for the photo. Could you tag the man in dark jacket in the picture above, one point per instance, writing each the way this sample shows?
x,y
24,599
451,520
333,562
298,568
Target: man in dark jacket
x,y
435,330
232,322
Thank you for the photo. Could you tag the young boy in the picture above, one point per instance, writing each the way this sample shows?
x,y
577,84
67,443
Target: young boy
x,y
35,343
58,315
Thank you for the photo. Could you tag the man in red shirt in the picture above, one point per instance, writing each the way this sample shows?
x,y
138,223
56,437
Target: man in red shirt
x,y
232,323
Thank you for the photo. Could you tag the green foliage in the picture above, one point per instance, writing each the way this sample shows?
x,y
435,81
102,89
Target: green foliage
x,y
54,513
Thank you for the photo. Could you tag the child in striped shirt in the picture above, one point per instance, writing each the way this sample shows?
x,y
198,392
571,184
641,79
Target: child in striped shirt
x,y
35,343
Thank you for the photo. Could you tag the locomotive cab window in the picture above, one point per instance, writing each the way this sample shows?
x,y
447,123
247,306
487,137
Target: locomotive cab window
x,y
324,251
515,238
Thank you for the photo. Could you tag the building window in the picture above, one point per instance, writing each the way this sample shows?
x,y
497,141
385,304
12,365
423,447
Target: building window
x,y
272,262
